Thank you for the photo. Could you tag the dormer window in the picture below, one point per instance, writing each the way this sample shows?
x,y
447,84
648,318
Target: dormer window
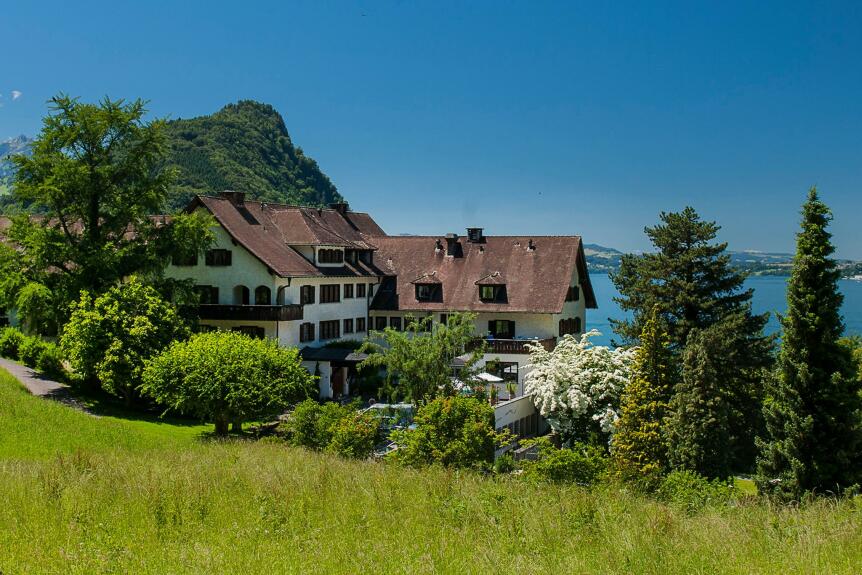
x,y
492,288
493,293
327,256
428,292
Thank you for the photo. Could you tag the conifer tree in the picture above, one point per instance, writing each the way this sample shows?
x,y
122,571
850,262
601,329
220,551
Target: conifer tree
x,y
691,281
688,277
698,429
813,408
639,446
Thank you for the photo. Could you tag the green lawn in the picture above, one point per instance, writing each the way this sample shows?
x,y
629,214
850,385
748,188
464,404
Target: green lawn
x,y
103,495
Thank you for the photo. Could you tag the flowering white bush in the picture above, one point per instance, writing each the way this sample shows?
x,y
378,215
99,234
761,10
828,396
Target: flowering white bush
x,y
577,386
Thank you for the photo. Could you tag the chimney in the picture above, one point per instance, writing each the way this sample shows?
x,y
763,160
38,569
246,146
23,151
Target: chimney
x,y
438,246
236,198
453,248
475,236
340,207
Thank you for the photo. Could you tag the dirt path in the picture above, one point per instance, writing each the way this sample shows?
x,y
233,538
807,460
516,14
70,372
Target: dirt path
x,y
39,385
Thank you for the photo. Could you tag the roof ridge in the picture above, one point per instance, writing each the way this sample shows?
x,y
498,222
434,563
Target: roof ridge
x,y
281,205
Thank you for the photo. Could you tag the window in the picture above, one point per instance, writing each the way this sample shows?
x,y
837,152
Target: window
x,y
348,325
574,293
508,370
207,294
184,259
348,291
306,294
502,328
379,323
350,256
395,323
330,256
493,294
330,293
218,257
570,326
306,331
360,290
329,329
262,296
428,292
370,290
360,325
251,330
240,295
444,318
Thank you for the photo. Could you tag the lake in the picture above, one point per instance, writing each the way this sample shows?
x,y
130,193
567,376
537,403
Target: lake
x,y
769,296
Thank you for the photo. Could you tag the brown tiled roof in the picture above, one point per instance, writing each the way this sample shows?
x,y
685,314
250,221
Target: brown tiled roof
x,y
267,231
536,279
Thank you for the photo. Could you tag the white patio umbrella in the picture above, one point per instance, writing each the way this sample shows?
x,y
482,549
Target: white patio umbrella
x,y
488,377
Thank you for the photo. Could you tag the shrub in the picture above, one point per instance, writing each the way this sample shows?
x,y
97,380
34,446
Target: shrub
x,y
693,492
30,350
111,337
50,361
227,377
582,464
311,422
452,431
504,464
354,436
332,427
10,342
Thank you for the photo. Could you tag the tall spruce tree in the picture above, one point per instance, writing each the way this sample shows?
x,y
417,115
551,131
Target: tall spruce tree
x,y
699,429
690,280
812,413
639,446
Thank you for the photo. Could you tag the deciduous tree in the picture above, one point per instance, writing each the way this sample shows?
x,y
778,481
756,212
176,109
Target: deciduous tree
x,y
108,338
418,360
227,377
577,386
97,175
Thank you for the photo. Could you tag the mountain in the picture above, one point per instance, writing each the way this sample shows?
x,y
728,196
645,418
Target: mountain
x,y
10,147
602,259
245,147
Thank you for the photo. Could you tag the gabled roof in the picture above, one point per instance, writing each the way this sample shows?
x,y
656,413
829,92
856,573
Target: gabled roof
x,y
268,231
536,279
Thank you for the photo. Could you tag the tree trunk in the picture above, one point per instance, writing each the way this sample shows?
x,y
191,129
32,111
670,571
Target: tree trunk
x,y
236,425
221,424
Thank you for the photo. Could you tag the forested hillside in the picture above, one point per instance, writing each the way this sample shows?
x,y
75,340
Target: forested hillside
x,y
245,147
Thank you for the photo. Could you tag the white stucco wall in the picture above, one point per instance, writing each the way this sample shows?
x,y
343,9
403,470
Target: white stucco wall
x,y
245,269
347,308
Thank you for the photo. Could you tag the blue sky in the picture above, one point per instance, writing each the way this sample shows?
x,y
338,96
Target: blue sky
x,y
522,117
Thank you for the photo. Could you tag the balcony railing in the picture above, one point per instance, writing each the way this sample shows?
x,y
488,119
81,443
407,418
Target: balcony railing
x,y
517,346
250,312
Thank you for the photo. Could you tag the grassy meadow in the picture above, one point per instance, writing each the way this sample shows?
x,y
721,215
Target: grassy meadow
x,y
84,494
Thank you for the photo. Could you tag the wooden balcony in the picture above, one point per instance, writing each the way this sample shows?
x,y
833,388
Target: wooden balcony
x,y
517,346
250,312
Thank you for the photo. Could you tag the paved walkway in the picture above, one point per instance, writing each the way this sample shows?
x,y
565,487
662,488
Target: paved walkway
x,y
39,385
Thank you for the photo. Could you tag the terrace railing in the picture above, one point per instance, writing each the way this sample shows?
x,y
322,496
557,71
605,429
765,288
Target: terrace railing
x,y
288,312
